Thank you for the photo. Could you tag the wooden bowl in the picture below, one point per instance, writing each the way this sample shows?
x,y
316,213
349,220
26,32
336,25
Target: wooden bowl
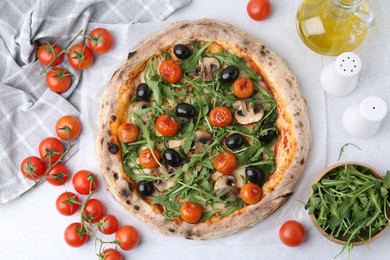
x,y
342,241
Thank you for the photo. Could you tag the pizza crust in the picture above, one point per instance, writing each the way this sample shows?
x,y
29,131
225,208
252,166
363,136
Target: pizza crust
x,y
293,121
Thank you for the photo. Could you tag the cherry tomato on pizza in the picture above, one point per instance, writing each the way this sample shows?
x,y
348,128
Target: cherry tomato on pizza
x,y
93,211
80,57
225,162
58,80
67,203
167,126
108,224
58,175
147,160
128,237
127,133
84,182
292,233
100,41
258,10
33,168
49,51
50,149
191,212
251,193
170,71
111,254
68,127
75,235
243,88
220,116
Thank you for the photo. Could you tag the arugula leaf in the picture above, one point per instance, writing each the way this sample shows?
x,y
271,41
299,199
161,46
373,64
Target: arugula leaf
x,y
190,63
343,148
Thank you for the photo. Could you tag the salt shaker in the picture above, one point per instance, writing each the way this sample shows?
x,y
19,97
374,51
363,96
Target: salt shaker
x,y
363,120
340,77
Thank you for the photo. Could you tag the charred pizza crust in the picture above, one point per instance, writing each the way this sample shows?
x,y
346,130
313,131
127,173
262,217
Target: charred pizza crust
x,y
293,125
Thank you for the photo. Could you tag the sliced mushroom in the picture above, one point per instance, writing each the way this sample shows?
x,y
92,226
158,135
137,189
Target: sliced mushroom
x,y
206,67
142,105
226,182
247,113
203,136
162,186
175,143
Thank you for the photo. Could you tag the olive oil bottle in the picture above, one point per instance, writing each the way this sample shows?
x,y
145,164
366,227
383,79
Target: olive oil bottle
x,y
331,27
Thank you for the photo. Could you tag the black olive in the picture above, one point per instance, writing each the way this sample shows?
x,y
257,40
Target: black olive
x,y
254,175
113,148
185,110
229,74
267,136
145,188
143,92
172,158
181,51
234,141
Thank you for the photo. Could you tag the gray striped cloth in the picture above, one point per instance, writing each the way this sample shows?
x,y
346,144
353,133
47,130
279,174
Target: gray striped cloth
x,y
28,109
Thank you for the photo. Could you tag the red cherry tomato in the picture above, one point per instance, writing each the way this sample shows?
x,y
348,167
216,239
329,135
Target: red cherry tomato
x,y
292,233
220,116
58,175
80,57
243,88
170,71
75,235
58,80
108,224
167,126
251,193
51,149
128,237
84,182
147,160
111,254
258,10
93,211
68,123
67,203
225,162
33,168
127,133
191,212
100,40
49,51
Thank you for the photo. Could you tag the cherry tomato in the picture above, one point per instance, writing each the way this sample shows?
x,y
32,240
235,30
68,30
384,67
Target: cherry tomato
x,y
51,149
67,203
80,57
170,71
225,162
68,127
167,126
49,51
128,237
111,254
243,88
292,233
108,224
58,80
33,168
191,212
147,160
100,40
93,211
84,182
127,133
251,193
220,116
75,235
258,10
58,175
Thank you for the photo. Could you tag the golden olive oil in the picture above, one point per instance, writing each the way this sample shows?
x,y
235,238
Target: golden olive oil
x,y
328,28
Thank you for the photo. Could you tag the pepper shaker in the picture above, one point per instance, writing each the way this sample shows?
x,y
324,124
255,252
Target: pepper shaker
x,y
340,77
363,120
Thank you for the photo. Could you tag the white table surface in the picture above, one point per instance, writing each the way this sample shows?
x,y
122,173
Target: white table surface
x,y
32,229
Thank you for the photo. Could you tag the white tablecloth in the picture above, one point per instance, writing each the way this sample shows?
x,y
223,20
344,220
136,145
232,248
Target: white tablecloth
x,y
32,228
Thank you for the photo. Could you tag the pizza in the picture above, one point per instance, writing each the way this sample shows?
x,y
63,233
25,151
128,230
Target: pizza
x,y
203,131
